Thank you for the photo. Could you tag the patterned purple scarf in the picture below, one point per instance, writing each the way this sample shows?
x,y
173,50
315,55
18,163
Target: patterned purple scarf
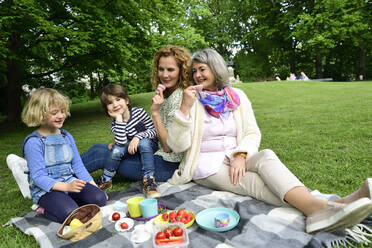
x,y
220,103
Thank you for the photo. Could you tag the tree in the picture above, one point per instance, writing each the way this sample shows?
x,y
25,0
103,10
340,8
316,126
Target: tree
x,y
211,19
54,43
263,30
336,27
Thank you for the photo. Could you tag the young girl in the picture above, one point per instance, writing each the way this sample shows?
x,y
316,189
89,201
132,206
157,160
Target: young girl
x,y
59,182
134,132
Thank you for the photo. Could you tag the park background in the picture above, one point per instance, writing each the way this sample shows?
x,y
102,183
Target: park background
x,y
320,130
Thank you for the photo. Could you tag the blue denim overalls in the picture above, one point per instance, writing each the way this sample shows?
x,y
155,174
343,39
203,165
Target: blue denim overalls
x,y
58,156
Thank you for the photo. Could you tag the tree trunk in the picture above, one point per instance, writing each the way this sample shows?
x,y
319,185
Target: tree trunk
x,y
292,61
14,92
92,86
362,60
14,75
319,66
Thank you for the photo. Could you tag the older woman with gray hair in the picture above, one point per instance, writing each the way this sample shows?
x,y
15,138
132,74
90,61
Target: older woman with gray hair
x,y
217,130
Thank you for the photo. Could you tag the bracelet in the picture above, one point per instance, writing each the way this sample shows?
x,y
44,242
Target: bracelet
x,y
241,154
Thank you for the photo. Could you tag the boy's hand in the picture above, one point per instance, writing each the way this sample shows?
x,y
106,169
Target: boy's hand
x,y
109,146
132,148
117,115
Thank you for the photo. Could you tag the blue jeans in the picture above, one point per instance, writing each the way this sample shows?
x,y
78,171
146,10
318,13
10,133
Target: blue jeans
x,y
145,148
130,167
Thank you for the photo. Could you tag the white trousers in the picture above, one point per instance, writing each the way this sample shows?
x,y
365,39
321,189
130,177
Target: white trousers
x,y
267,179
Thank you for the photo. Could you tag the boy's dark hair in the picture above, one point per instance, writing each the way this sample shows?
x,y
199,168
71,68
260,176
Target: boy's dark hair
x,y
114,90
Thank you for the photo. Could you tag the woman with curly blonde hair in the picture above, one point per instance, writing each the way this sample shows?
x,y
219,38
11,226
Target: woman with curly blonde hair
x,y
170,75
181,58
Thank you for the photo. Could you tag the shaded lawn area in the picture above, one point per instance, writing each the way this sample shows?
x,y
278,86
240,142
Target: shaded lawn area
x,y
320,130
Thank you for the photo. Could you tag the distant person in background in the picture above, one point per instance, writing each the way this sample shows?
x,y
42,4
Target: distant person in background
x,y
292,76
302,77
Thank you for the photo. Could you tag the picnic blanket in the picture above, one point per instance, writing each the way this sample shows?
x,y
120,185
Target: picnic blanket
x,y
260,225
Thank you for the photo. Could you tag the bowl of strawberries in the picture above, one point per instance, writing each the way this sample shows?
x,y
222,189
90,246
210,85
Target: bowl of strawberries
x,y
175,216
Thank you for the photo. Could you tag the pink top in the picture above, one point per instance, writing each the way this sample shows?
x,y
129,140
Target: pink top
x,y
218,142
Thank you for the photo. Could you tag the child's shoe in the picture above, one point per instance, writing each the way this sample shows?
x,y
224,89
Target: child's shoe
x,y
103,184
150,188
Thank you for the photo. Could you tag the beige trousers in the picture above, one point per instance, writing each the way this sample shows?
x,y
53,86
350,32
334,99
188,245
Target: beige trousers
x,y
267,179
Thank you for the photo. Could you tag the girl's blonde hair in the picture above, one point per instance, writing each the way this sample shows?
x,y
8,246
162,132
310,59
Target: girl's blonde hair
x,y
36,109
183,59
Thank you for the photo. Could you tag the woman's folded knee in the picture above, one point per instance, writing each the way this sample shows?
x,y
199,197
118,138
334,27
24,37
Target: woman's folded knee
x,y
268,154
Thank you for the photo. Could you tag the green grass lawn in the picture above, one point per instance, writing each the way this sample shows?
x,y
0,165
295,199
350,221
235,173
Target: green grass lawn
x,y
321,130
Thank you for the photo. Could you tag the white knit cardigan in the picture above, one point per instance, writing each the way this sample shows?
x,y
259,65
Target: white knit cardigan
x,y
186,135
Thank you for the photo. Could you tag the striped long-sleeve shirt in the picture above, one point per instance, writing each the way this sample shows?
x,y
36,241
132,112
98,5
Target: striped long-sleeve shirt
x,y
139,125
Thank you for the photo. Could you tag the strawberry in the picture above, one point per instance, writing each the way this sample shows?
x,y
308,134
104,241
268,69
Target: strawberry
x,y
172,215
181,212
165,216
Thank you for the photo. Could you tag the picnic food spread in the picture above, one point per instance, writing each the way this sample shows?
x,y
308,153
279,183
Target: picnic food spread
x,y
168,228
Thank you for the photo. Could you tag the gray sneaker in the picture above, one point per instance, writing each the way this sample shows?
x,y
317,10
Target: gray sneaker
x,y
339,215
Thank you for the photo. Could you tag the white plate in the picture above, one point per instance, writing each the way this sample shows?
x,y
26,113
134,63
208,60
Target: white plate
x,y
129,221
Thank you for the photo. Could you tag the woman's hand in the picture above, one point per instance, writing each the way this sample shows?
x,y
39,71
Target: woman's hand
x,y
237,169
157,101
132,148
188,99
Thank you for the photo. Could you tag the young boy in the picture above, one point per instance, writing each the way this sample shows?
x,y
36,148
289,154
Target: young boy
x,y
134,132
